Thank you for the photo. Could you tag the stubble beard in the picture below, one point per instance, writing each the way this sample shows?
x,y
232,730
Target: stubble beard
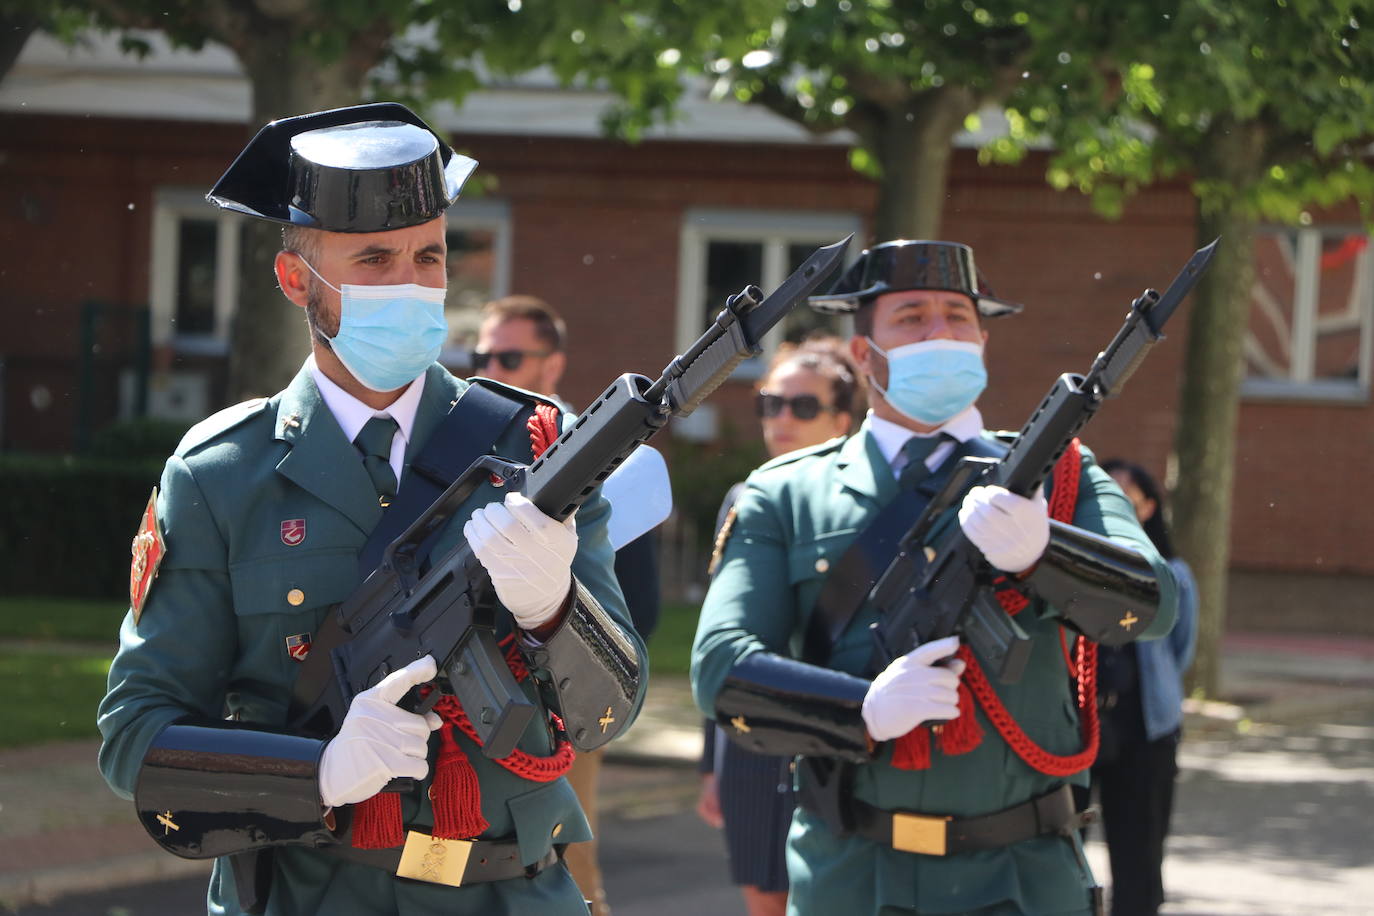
x,y
315,316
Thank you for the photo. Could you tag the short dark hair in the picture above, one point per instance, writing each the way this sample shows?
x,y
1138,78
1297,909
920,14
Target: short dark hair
x,y
863,319
302,240
827,356
548,326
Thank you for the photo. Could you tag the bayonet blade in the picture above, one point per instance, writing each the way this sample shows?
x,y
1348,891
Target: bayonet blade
x,y
801,284
1183,284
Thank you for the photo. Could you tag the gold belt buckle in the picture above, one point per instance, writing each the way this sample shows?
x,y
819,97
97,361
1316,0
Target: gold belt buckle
x,y
437,861
923,833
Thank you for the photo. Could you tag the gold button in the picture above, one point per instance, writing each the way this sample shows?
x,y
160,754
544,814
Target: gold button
x,y
557,829
295,597
822,565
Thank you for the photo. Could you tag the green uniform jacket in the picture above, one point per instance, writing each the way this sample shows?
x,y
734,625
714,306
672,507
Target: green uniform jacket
x,y
809,506
211,639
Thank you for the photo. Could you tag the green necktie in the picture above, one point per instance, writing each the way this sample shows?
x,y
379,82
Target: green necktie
x,y
917,450
374,441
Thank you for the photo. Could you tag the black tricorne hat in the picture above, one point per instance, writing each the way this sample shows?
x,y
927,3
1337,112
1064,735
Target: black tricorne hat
x,y
906,264
365,168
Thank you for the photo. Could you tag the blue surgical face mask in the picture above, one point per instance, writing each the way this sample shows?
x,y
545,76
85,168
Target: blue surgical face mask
x,y
388,335
932,380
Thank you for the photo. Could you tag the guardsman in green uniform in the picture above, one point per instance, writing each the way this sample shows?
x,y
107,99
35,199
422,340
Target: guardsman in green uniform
x,y
255,532
974,815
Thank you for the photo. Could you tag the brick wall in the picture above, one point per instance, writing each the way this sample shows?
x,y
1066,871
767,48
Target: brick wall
x,y
596,230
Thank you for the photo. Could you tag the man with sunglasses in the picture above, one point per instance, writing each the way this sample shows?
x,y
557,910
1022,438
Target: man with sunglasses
x,y
522,342
973,815
260,528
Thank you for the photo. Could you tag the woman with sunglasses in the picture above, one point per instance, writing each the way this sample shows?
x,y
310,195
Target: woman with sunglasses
x,y
807,398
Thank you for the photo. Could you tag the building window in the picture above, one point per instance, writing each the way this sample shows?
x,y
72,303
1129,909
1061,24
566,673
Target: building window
x,y
479,256
194,272
724,250
1312,307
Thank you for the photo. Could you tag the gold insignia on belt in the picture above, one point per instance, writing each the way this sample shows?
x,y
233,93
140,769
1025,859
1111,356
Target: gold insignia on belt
x,y
722,536
740,725
437,861
165,819
921,833
605,720
147,552
1129,621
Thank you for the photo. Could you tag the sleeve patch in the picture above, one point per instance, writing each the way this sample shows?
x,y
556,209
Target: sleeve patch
x,y
148,550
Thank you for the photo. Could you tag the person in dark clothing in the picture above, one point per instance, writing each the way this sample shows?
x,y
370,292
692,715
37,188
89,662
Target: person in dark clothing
x,y
1140,698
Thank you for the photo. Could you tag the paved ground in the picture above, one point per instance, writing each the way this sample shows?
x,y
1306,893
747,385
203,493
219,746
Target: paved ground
x,y
1273,809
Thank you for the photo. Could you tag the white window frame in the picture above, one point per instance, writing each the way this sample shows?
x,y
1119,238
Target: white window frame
x,y
776,230
491,214
1302,334
171,206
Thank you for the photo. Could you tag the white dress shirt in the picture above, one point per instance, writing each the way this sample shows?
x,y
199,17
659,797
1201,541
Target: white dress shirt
x,y
352,414
890,437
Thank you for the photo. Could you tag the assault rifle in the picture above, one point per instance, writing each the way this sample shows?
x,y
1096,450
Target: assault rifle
x,y
400,614
931,592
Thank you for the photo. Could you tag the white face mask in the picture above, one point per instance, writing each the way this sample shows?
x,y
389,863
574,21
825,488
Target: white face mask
x,y
932,380
388,335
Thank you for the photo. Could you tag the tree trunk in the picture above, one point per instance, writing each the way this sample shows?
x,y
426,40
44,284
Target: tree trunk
x,y
914,148
15,29
269,335
1205,442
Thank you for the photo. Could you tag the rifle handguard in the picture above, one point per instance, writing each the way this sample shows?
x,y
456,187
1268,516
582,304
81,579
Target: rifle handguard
x,y
775,705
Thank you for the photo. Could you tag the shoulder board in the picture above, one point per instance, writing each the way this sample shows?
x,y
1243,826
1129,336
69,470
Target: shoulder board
x,y
221,422
790,457
534,398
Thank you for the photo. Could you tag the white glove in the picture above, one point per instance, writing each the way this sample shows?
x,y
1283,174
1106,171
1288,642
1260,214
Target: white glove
x,y
378,740
1012,531
527,554
914,689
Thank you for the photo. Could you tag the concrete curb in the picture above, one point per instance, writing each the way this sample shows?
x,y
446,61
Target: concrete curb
x,y
46,885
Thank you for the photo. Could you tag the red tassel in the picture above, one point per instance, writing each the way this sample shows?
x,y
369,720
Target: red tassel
x,y
912,750
455,794
377,822
964,733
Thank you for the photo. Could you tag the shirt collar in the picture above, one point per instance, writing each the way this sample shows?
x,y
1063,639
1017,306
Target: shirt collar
x,y
352,413
890,436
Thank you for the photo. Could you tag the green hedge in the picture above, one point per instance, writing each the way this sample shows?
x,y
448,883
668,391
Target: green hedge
x,y
66,523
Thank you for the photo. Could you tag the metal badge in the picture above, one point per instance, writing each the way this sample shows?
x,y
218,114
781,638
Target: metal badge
x,y
298,646
148,550
293,531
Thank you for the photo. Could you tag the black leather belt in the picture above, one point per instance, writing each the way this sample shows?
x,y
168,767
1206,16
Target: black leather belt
x,y
937,835
452,862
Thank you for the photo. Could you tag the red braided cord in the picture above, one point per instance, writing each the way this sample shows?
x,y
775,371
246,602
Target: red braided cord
x,y
543,430
1062,503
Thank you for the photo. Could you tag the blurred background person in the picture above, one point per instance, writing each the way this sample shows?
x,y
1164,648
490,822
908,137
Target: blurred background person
x,y
522,342
1140,698
808,397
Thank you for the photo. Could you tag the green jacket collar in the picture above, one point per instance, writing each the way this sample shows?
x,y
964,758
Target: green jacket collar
x,y
863,469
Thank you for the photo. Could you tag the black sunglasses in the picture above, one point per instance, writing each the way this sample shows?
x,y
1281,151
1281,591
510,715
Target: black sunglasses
x,y
803,406
509,360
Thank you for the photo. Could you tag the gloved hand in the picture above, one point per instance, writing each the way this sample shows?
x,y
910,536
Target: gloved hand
x,y
378,741
1012,531
914,689
527,554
